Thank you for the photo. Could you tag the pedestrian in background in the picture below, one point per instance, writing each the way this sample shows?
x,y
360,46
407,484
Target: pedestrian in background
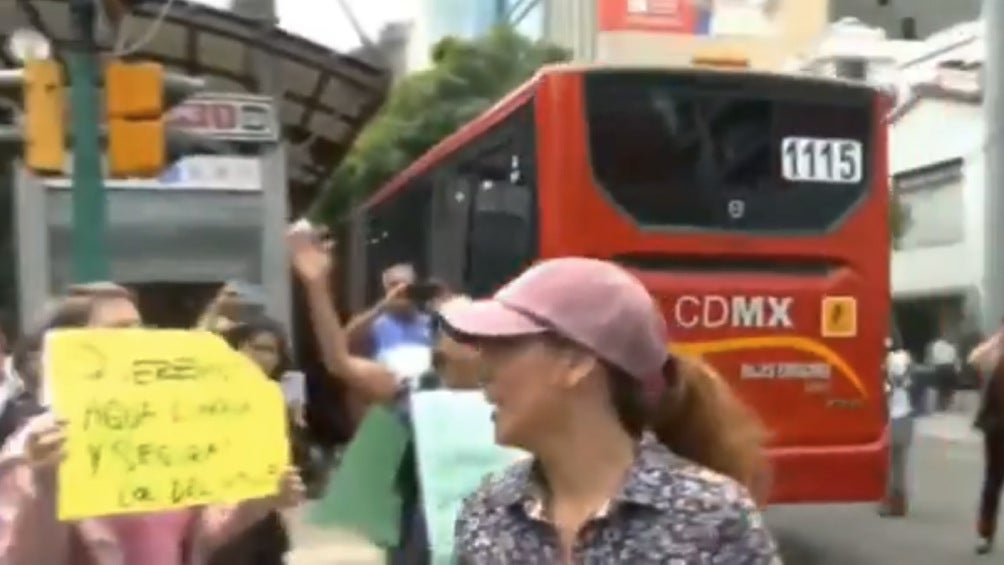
x,y
987,358
638,456
396,321
943,357
395,331
897,385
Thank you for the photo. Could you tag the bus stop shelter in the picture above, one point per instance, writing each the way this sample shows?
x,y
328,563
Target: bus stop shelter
x,y
311,104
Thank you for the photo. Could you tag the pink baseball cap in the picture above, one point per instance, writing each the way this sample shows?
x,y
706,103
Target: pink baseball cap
x,y
595,304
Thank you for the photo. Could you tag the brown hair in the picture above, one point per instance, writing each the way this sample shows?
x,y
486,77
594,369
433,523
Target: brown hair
x,y
100,289
699,417
74,308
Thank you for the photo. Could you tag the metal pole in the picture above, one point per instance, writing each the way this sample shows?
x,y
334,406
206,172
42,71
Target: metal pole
x,y
90,257
993,111
275,276
36,270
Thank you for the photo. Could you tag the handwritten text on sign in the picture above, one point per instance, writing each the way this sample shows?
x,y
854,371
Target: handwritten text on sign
x,y
161,419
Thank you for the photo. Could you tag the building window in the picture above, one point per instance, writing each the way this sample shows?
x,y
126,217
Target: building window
x,y
852,68
908,28
933,197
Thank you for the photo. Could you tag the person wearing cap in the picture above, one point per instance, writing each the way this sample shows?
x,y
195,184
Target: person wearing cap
x,y
637,456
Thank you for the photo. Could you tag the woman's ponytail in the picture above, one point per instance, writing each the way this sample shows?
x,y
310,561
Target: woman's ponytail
x,y
702,419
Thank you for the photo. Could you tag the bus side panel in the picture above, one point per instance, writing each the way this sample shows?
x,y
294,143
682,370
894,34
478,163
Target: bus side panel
x,y
560,157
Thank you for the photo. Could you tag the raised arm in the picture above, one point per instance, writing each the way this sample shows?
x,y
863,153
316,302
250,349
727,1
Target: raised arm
x,y
211,315
984,356
312,262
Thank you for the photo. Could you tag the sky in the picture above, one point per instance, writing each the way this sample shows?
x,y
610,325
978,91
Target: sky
x,y
324,22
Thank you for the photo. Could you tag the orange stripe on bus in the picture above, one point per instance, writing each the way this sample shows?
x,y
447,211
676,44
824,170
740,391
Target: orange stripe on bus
x,y
798,343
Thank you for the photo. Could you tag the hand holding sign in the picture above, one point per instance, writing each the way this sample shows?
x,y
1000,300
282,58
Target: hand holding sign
x,y
168,419
45,443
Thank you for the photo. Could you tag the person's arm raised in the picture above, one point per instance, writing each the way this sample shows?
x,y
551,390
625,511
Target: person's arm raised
x,y
985,355
360,326
210,316
312,263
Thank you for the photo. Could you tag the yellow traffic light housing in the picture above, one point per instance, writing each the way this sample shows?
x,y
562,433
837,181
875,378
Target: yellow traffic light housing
x,y
134,104
44,117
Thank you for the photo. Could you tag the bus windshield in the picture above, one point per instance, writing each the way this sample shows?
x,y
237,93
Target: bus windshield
x,y
721,151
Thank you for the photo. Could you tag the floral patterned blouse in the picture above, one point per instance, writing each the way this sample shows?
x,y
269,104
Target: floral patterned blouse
x,y
669,511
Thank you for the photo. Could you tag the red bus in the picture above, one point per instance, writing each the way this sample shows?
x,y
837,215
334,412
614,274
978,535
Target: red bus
x,y
754,207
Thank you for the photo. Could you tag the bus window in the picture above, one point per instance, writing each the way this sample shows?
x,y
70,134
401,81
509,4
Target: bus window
x,y
695,150
396,233
500,235
448,228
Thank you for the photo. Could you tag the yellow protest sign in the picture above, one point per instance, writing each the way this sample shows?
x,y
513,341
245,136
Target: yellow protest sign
x,y
161,419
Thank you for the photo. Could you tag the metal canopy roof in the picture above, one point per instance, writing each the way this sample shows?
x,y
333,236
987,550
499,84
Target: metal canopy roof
x,y
327,97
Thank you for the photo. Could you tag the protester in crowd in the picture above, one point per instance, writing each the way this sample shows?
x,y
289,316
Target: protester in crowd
x,y
23,397
267,542
31,534
362,376
454,366
228,307
397,323
988,360
943,357
394,332
9,382
26,361
897,366
638,455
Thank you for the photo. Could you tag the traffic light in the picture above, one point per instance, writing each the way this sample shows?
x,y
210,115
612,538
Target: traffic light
x,y
134,104
44,117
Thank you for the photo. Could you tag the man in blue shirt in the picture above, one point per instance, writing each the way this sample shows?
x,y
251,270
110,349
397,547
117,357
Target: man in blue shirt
x,y
395,332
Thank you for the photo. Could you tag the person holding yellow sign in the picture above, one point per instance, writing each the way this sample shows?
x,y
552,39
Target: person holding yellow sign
x,y
31,531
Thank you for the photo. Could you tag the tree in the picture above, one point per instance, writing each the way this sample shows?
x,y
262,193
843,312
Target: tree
x,y
466,78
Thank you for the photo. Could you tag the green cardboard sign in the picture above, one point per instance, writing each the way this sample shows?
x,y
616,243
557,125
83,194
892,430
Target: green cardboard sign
x,y
363,496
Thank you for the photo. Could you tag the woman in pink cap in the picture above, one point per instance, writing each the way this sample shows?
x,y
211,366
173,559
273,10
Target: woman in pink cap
x,y
638,456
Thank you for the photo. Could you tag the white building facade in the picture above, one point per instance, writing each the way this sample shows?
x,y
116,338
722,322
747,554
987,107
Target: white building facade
x,y
937,139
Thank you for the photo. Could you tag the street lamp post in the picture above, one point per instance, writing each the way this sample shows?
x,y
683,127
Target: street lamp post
x,y
993,112
90,256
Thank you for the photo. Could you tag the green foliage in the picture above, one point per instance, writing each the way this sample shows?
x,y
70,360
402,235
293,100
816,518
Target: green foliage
x,y
466,78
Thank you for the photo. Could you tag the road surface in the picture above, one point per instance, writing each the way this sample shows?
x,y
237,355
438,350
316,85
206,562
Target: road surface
x,y
939,530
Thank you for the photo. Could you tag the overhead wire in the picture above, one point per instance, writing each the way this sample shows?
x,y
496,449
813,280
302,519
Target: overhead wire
x,y
120,48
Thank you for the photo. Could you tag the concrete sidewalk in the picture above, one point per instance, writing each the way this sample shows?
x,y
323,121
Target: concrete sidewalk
x,y
951,427
955,425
